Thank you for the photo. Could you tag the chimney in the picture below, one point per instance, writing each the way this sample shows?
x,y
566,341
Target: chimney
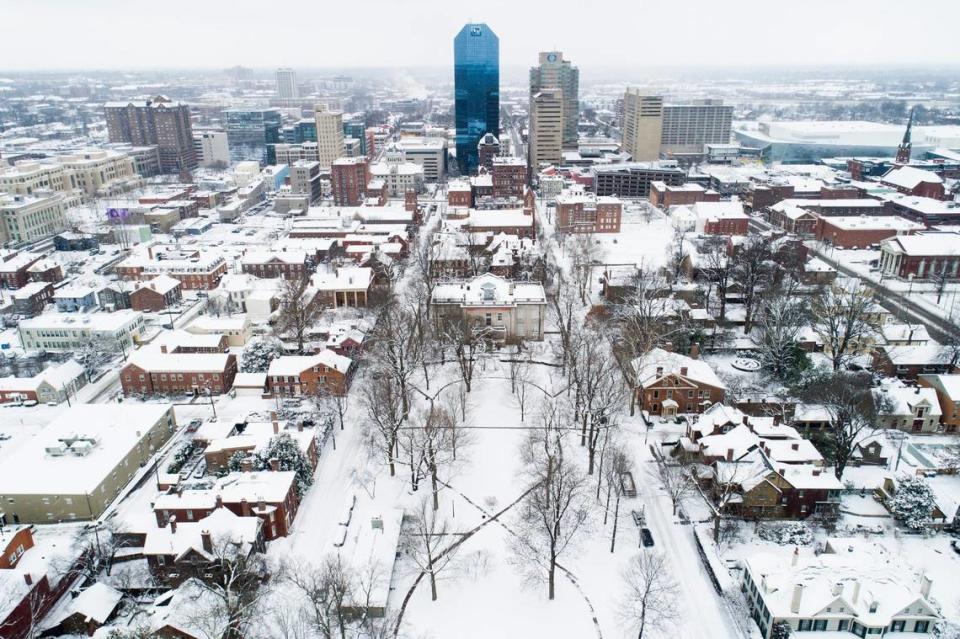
x,y
695,351
173,524
659,371
299,427
274,464
746,420
683,371
729,454
856,591
795,446
925,583
261,505
777,420
27,578
917,392
163,349
796,556
244,507
207,540
816,472
219,502
273,415
837,589
797,596
246,465
668,347
276,427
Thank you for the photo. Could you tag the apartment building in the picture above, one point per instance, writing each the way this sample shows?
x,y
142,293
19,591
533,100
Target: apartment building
x,y
642,125
158,372
116,332
582,212
688,128
26,218
76,466
211,148
157,121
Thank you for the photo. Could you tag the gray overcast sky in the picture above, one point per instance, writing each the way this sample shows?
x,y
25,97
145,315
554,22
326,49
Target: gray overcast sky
x,y
110,34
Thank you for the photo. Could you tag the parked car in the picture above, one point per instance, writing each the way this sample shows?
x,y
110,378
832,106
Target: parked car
x,y
646,538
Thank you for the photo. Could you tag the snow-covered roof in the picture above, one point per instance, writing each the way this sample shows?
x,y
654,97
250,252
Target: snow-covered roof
x,y
293,365
162,284
864,586
903,399
933,243
646,367
223,525
918,355
346,278
732,210
893,333
114,321
78,449
489,289
157,362
908,177
948,384
505,218
95,603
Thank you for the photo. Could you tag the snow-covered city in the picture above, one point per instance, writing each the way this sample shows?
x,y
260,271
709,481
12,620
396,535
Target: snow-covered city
x,y
454,321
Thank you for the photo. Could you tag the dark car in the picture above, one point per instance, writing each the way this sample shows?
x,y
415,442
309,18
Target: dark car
x,y
646,537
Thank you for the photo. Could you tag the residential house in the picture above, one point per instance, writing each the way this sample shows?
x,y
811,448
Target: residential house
x,y
507,310
72,299
29,299
252,437
306,374
913,409
52,385
202,549
668,383
908,362
157,294
236,329
947,388
854,592
158,372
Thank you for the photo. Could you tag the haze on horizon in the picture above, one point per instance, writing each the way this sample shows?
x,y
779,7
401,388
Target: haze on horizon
x,y
213,34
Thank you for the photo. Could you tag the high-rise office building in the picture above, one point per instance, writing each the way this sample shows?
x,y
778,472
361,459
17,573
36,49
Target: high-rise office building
x,y
252,133
329,135
476,75
158,121
688,127
555,72
212,148
287,84
642,125
545,144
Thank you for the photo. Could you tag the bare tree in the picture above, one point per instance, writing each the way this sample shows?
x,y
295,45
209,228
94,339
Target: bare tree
x,y
752,270
332,403
426,540
781,316
423,259
327,591
300,307
676,481
650,594
853,408
565,313
468,340
717,269
385,406
679,251
396,347
523,380
843,317
428,445
616,465
237,585
600,389
556,513
585,254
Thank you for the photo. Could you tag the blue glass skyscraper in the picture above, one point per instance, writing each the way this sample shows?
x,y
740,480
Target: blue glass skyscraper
x,y
476,77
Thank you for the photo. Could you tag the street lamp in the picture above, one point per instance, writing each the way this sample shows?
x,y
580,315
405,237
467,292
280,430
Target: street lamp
x,y
910,278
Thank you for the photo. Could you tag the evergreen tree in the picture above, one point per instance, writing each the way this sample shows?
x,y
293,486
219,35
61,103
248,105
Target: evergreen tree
x,y
258,354
913,503
285,449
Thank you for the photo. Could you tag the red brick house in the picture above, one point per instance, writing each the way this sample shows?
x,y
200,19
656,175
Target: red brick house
x,y
45,271
668,383
664,196
912,181
305,374
158,372
909,362
270,495
863,230
157,294
292,265
14,268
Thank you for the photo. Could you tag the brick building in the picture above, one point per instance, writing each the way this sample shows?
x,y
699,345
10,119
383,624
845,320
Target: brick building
x,y
668,383
163,373
294,375
581,212
509,177
291,265
862,230
922,255
664,196
912,181
349,178
157,294
14,268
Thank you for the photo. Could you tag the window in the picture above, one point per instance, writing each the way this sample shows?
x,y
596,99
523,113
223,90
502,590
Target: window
x,y
921,626
843,625
805,624
897,626
820,625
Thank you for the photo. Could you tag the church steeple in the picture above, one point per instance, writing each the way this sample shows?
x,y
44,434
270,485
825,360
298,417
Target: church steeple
x,y
903,151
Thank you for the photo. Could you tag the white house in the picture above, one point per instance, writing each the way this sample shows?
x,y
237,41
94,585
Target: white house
x,y
512,310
